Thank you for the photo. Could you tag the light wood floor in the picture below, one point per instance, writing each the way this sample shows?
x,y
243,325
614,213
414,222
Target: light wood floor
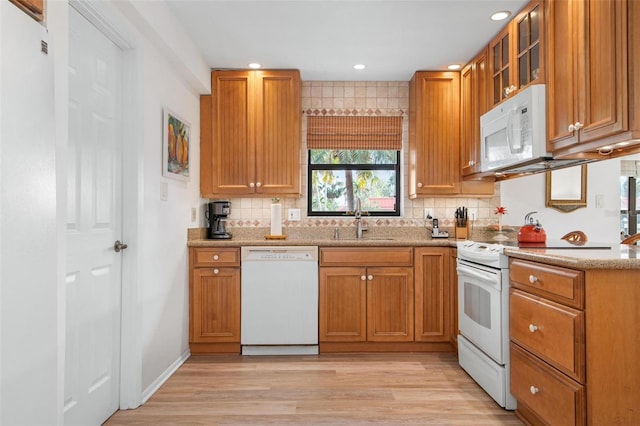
x,y
422,389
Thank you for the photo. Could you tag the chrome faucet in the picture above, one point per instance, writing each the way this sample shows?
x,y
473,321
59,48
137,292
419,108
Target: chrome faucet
x,y
358,215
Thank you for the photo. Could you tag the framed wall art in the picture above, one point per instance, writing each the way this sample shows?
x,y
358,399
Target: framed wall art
x,y
175,146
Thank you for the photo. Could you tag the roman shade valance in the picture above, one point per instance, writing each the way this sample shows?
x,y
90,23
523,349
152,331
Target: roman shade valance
x,y
630,168
352,132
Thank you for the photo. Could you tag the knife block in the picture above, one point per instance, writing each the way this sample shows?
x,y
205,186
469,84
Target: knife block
x,y
462,232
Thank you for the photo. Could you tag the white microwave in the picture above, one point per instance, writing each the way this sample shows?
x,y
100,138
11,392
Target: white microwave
x,y
514,131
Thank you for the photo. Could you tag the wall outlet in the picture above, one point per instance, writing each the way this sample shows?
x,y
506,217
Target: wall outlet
x,y
427,214
599,201
472,214
193,214
293,215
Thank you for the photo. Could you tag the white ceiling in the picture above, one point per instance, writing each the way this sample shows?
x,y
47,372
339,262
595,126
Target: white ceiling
x,y
325,38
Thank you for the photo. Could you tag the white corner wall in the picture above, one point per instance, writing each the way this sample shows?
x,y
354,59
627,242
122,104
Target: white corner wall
x,y
173,78
526,194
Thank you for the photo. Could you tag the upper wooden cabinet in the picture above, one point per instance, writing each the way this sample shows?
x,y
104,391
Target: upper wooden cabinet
x,y
475,102
434,136
434,133
250,134
35,8
515,54
593,76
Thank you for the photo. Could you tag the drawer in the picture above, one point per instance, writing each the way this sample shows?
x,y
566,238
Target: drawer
x,y
553,282
366,256
552,396
210,256
553,332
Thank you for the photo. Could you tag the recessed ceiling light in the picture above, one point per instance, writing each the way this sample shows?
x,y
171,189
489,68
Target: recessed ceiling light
x,y
500,15
255,65
359,66
454,67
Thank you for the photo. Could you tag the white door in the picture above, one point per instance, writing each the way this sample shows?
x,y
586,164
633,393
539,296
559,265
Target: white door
x,y
93,305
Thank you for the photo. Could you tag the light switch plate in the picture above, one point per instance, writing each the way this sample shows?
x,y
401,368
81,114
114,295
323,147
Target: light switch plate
x,y
294,215
164,191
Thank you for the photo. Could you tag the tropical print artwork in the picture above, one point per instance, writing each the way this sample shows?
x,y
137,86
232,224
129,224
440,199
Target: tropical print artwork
x,y
176,147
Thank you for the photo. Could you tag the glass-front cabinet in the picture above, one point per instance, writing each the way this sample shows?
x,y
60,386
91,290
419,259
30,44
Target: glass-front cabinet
x,y
516,53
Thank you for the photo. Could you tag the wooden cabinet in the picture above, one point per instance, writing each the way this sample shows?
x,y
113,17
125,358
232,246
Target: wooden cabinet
x,y
250,134
366,302
474,102
434,137
515,54
453,298
573,361
214,300
588,86
432,287
34,8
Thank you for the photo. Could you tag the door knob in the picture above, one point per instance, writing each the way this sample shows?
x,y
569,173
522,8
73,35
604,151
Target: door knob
x,y
118,246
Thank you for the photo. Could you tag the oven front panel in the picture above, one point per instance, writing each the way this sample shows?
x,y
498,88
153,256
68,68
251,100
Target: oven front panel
x,y
480,309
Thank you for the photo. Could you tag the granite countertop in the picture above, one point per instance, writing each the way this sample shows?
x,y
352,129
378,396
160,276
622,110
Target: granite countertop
x,y
618,256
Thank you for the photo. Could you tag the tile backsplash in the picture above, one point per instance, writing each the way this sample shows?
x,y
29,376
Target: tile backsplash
x,y
360,98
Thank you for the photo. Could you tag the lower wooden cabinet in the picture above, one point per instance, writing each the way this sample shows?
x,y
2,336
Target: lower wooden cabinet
x,y
432,294
214,300
574,344
366,304
384,298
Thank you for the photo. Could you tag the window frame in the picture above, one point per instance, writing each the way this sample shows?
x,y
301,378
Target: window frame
x,y
354,167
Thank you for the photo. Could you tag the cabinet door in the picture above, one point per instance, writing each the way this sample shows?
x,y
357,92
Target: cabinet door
x,y
215,305
467,113
231,163
565,22
604,69
434,134
528,44
389,304
432,294
278,132
500,58
343,309
587,92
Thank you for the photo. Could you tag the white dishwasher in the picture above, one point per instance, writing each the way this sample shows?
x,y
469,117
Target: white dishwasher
x,y
279,300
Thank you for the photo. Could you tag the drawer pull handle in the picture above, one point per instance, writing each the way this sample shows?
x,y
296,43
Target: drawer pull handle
x,y
216,271
363,278
370,277
533,328
216,257
533,279
534,390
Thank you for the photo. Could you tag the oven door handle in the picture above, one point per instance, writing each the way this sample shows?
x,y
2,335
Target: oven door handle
x,y
484,276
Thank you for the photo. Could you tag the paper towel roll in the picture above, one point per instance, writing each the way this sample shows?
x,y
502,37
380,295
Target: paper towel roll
x,y
276,219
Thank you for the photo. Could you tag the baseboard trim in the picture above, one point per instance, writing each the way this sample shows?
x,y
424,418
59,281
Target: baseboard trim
x,y
157,383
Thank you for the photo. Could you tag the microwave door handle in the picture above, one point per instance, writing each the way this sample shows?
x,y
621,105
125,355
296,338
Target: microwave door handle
x,y
515,144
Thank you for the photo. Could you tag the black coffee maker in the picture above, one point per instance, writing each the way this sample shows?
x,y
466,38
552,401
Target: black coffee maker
x,y
216,213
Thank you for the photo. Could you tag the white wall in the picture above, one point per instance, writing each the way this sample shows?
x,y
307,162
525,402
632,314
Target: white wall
x,y
526,194
33,221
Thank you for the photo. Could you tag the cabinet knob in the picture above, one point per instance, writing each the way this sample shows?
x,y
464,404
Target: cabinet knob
x,y
216,271
419,184
472,163
571,128
363,278
258,184
370,277
578,125
533,328
533,279
534,390
251,184
216,257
